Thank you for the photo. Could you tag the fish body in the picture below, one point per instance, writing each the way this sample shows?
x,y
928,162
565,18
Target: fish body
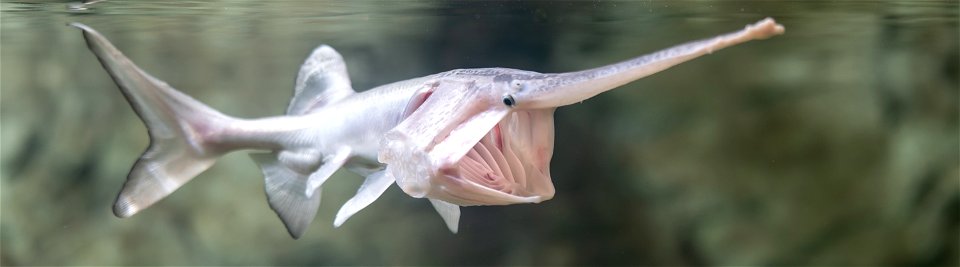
x,y
458,138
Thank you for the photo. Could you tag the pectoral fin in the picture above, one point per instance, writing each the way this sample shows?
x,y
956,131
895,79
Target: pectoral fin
x,y
369,191
449,212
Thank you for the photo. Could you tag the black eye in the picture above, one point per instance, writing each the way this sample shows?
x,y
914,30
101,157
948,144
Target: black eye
x,y
508,100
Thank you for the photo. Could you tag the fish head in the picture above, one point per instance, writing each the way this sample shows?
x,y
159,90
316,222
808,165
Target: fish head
x,y
463,142
485,136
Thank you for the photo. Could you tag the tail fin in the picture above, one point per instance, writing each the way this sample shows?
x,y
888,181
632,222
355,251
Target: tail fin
x,y
179,127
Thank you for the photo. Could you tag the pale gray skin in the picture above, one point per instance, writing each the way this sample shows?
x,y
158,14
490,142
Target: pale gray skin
x,y
459,138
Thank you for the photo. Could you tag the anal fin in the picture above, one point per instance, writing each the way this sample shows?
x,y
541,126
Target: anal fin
x,y
285,193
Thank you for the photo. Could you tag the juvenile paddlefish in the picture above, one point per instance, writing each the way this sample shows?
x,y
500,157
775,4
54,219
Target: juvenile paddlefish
x,y
463,137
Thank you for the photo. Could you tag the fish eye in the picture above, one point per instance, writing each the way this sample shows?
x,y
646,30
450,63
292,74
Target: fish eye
x,y
508,100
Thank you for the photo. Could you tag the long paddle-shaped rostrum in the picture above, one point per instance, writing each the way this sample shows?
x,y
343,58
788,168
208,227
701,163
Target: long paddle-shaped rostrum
x,y
458,138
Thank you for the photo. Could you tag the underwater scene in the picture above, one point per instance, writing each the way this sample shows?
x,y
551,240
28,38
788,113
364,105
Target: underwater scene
x,y
832,143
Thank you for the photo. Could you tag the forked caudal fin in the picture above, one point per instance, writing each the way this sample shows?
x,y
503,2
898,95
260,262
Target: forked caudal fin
x,y
178,126
186,138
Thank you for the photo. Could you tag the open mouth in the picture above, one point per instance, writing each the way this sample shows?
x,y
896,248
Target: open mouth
x,y
490,164
505,166
461,147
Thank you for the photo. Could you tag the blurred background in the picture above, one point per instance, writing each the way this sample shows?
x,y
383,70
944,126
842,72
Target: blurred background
x,y
835,144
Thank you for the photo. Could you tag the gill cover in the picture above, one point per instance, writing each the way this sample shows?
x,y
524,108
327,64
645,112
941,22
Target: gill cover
x,y
462,145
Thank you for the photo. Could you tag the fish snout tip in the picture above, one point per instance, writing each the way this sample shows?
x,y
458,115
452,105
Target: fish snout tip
x,y
83,27
766,28
78,25
125,208
777,27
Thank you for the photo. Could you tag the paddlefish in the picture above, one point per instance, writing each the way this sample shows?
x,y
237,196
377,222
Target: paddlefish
x,y
464,137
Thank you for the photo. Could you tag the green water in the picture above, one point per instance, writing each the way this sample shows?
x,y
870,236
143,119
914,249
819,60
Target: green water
x,y
834,144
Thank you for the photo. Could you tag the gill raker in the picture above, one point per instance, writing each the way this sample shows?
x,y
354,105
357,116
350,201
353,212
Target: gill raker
x,y
458,138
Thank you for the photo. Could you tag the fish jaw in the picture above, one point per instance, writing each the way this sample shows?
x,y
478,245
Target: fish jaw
x,y
463,146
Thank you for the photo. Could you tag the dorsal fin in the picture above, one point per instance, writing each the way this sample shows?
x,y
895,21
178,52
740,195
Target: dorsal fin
x,y
323,79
